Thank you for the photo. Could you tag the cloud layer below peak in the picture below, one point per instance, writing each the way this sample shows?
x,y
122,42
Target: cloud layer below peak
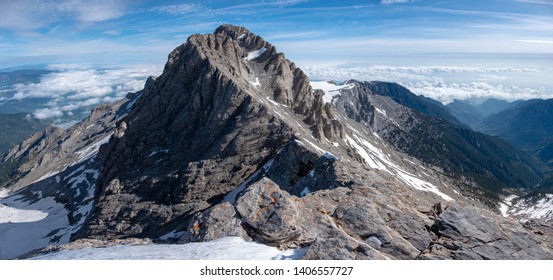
x,y
447,83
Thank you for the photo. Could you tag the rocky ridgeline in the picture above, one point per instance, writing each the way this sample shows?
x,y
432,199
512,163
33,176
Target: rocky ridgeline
x,y
231,140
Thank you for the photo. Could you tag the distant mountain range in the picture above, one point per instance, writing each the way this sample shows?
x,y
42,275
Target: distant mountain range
x,y
527,125
14,128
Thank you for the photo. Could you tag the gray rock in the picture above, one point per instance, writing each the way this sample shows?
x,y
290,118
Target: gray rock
x,y
466,232
341,248
271,212
216,222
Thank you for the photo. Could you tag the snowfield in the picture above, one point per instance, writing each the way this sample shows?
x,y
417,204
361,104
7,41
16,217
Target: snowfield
x,y
227,248
255,54
542,209
376,159
24,226
331,90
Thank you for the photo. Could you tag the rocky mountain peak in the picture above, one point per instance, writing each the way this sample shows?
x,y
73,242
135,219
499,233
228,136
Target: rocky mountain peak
x,y
253,65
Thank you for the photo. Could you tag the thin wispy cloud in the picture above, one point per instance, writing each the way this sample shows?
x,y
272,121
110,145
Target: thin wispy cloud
x,y
181,9
541,2
35,14
549,42
389,2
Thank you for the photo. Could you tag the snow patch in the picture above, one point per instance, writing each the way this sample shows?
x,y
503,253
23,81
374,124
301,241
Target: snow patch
x,y
14,215
174,234
92,150
330,89
242,36
274,103
381,111
329,155
47,175
312,145
256,83
4,193
542,209
506,205
227,248
25,226
376,159
231,196
255,54
305,192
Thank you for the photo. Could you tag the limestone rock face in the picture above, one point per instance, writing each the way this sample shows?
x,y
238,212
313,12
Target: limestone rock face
x,y
213,223
465,232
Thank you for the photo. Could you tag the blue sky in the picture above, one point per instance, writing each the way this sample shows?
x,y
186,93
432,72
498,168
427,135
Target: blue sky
x,y
444,49
312,31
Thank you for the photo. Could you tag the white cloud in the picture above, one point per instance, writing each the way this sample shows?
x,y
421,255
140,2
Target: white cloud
x,y
446,83
35,14
389,2
47,113
76,87
446,93
542,2
181,9
550,42
398,73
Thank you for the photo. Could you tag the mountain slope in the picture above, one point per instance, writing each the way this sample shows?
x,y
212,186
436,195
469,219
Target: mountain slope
x,y
473,114
461,152
528,125
404,97
14,128
50,190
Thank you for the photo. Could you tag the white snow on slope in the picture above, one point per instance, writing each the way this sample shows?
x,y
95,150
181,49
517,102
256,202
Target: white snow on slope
x,y
174,234
331,90
29,224
4,193
26,224
317,148
376,159
231,196
256,83
49,174
14,215
256,54
542,209
505,206
227,248
92,150
381,111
